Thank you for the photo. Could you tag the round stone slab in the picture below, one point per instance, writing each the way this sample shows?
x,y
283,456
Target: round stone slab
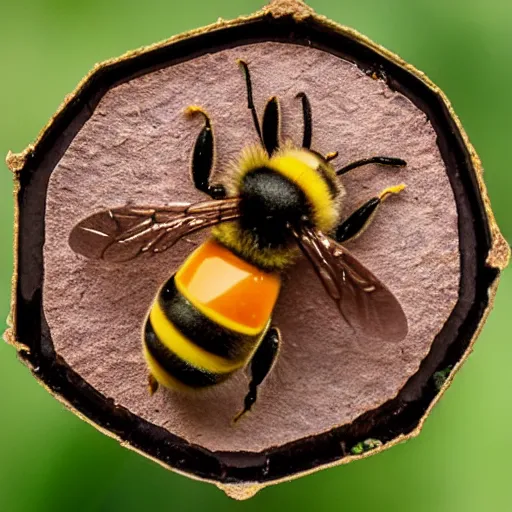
x,y
123,138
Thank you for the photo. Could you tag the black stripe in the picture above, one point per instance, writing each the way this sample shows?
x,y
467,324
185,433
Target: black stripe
x,y
201,330
326,176
177,367
333,187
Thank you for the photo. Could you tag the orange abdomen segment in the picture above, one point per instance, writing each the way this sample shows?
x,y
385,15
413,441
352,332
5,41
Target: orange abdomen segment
x,y
227,289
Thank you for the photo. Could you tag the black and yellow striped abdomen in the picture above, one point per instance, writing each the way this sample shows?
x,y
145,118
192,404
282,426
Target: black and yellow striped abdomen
x,y
208,319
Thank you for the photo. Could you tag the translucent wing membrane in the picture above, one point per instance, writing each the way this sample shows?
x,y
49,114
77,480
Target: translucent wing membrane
x,y
121,234
364,302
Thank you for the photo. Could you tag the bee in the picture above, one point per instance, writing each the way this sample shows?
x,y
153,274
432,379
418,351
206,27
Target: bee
x,y
213,317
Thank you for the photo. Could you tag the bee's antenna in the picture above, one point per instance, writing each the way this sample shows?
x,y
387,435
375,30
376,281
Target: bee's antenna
x,y
250,103
382,160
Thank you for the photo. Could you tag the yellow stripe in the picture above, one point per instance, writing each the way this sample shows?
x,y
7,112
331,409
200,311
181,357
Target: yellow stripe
x,y
214,315
311,183
160,374
186,349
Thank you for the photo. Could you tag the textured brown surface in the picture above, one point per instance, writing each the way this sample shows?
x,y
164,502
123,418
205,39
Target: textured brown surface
x,y
136,147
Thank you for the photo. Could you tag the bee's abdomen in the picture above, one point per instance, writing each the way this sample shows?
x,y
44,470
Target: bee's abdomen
x,y
171,370
192,337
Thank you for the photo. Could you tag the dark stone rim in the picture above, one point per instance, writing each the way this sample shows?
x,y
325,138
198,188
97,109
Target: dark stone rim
x,y
400,416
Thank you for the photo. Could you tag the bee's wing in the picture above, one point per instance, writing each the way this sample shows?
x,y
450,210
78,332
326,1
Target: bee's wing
x,y
121,234
364,302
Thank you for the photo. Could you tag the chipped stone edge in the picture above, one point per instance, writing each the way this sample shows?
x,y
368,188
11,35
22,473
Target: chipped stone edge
x,y
498,257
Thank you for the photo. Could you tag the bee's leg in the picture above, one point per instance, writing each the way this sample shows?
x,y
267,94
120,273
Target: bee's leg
x,y
203,157
261,364
308,123
356,223
382,160
152,384
271,126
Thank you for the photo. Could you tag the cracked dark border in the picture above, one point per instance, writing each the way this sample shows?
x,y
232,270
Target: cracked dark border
x,y
398,417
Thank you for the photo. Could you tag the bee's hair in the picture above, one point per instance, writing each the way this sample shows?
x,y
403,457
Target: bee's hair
x,y
311,174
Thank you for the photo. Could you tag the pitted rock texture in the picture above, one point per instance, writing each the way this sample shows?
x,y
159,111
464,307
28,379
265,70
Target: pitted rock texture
x,y
137,147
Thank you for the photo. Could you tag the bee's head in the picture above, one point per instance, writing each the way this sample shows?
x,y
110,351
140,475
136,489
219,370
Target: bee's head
x,y
294,186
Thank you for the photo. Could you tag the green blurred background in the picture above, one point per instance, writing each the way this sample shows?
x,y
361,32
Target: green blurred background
x,y
50,460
